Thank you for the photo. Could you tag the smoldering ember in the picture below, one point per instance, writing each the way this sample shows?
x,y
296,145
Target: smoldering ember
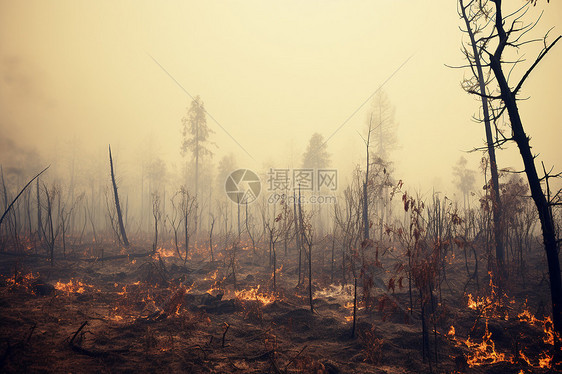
x,y
280,187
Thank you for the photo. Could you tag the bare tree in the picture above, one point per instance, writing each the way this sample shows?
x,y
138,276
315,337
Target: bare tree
x,y
308,240
471,13
157,214
188,209
248,229
18,195
175,221
211,237
50,229
366,224
494,45
117,205
276,227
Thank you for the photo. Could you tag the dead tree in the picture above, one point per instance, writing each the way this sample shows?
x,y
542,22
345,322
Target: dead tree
x,y
500,39
19,194
298,234
471,13
39,224
48,229
365,184
175,221
65,217
117,206
157,214
188,206
247,230
211,235
308,237
275,230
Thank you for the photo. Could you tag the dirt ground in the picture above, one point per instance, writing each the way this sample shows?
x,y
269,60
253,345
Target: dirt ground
x,y
154,314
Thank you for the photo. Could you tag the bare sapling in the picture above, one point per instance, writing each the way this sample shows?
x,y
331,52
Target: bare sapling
x,y
188,206
157,214
211,237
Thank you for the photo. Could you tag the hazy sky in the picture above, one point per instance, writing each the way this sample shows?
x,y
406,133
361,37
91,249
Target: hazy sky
x,y
270,72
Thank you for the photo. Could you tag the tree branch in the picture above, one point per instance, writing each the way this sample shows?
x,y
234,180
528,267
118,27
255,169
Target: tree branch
x,y
539,58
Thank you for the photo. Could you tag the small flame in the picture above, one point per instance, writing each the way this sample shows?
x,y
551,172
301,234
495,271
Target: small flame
x,y
479,303
545,361
451,332
525,358
25,279
74,286
165,252
485,352
547,325
255,294
213,276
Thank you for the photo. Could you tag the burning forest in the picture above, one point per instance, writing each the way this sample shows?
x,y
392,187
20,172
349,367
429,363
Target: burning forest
x,y
276,298
127,249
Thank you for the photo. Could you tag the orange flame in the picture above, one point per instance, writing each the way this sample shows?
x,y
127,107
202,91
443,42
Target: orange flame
x,y
165,252
255,294
485,352
451,332
545,361
74,286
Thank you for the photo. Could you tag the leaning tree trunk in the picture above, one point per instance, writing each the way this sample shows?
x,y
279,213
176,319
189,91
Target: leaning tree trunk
x,y
543,206
19,194
496,202
117,206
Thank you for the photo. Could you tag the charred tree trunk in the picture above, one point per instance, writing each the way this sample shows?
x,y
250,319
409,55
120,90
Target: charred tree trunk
x,y
247,229
495,192
39,221
117,206
310,276
274,269
332,259
365,184
354,308
211,238
365,207
187,236
155,245
520,137
298,236
19,194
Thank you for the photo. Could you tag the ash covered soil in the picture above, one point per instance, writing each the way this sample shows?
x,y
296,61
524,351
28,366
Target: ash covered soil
x,y
156,314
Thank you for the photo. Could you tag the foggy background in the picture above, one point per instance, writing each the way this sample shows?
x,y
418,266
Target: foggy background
x,y
77,76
